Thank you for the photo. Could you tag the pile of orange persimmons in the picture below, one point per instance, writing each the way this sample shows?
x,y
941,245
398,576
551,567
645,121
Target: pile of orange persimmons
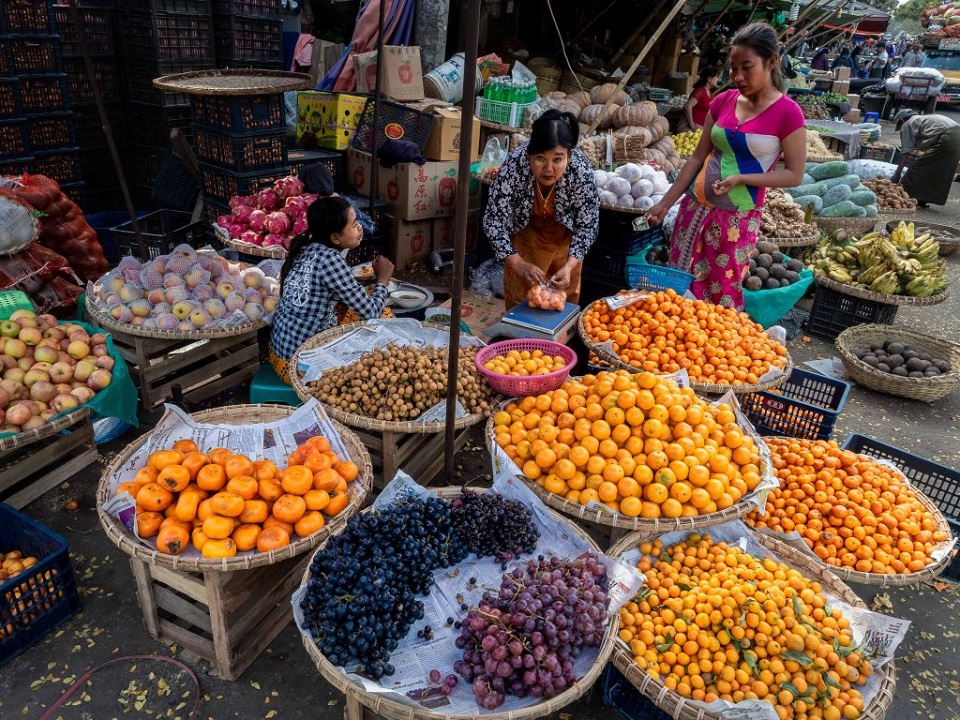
x,y
222,503
665,332
716,623
853,512
637,442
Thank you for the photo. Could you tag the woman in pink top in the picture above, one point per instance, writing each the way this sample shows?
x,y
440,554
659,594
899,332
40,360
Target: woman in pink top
x,y
746,132
698,104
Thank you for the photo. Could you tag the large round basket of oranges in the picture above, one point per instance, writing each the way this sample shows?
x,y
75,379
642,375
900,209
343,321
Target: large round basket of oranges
x,y
716,622
858,517
720,349
210,509
634,450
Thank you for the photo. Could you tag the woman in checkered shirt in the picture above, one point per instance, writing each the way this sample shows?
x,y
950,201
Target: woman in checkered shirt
x,y
315,277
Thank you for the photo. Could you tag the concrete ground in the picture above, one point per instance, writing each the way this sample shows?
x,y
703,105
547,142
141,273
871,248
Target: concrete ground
x,y
283,683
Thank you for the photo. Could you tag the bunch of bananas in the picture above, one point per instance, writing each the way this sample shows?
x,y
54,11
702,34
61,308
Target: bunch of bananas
x,y
901,264
686,142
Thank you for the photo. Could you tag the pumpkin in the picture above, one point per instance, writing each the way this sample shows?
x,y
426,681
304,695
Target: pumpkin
x,y
581,98
599,94
567,105
633,131
591,113
632,115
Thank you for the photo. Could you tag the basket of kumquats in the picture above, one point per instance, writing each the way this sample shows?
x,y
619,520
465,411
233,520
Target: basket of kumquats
x,y
855,515
727,617
525,366
634,450
233,488
662,332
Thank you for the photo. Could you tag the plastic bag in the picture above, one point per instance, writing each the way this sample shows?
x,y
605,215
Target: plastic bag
x,y
546,298
487,280
495,153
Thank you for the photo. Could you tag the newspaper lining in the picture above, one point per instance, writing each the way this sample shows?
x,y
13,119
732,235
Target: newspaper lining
x,y
415,657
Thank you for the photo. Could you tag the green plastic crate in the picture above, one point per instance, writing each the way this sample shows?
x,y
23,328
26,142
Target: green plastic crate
x,y
13,300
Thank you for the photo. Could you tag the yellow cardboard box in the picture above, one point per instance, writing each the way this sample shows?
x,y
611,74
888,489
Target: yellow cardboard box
x,y
330,117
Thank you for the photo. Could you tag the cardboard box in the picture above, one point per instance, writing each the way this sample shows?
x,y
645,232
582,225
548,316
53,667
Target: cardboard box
x,y
331,117
671,47
444,140
689,64
841,73
477,313
840,86
680,85
402,74
420,192
852,117
443,232
410,242
358,170
854,100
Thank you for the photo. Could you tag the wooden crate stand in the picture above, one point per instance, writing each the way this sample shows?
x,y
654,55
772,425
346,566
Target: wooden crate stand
x,y
29,467
228,618
196,369
420,455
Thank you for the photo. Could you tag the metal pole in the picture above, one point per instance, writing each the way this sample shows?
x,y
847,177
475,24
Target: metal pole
x,y
374,164
714,23
105,124
460,228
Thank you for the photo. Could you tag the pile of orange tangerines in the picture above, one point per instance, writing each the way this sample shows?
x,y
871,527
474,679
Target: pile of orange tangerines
x,y
222,503
636,442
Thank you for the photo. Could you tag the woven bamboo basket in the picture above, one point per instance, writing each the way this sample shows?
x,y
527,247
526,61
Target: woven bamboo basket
x,y
885,213
575,82
625,210
235,82
607,517
106,322
275,252
547,72
386,707
947,236
811,238
607,354
27,437
854,226
823,157
234,415
885,298
360,421
926,389
685,709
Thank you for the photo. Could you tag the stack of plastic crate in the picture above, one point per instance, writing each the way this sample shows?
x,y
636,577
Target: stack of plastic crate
x,y
98,20
36,126
248,33
159,37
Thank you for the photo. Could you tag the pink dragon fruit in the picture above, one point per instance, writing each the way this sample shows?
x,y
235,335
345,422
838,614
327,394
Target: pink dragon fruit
x,y
309,198
268,199
274,240
288,186
237,229
256,220
277,223
242,214
251,236
225,221
295,206
240,201
299,225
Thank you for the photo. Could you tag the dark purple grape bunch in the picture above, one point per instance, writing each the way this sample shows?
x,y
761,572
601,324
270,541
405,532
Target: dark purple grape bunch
x,y
489,525
524,640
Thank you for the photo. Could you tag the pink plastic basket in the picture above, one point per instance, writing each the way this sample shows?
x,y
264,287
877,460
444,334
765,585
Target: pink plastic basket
x,y
523,385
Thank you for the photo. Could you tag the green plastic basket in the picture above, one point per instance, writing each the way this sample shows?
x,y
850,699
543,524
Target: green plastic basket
x,y
13,300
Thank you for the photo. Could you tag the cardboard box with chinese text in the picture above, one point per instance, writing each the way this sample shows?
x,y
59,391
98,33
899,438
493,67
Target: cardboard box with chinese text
x,y
419,192
402,74
410,242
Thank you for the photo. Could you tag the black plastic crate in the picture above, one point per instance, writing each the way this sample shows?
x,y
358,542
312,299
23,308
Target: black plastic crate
x,y
103,223
42,596
833,312
98,30
394,121
63,165
239,39
368,250
244,114
607,266
175,187
805,406
195,7
615,231
167,36
247,8
142,73
89,127
14,141
9,98
4,63
299,159
77,192
50,131
220,185
242,154
161,231
99,172
625,700
33,54
152,124
43,93
938,482
27,17
109,77
16,166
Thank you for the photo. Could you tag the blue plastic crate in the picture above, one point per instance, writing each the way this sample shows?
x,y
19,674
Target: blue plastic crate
x,y
42,94
50,131
625,700
13,139
805,406
33,54
938,482
9,99
657,277
27,17
246,153
243,114
43,596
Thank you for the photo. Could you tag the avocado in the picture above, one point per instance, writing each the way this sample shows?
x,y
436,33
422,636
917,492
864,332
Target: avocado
x,y
771,283
762,273
777,256
753,283
901,371
766,247
764,260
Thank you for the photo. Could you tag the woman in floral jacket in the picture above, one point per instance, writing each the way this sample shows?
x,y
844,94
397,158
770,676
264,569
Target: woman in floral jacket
x,y
543,210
